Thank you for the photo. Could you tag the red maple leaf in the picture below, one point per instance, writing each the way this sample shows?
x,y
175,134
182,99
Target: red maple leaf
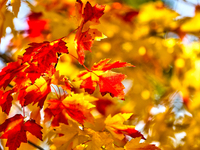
x,y
45,52
84,38
102,105
58,109
91,13
43,56
55,109
84,43
10,71
108,81
132,132
6,100
15,129
128,16
36,24
59,117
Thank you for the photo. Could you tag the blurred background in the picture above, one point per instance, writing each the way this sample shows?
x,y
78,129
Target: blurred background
x,y
161,38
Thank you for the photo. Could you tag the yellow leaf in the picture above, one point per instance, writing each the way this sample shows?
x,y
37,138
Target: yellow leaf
x,y
70,132
118,120
135,144
82,99
80,147
16,5
115,123
192,25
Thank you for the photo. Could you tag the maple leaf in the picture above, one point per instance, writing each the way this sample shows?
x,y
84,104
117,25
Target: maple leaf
x,y
36,25
128,17
15,6
41,56
85,36
6,100
99,140
61,80
15,129
108,81
59,117
77,106
10,71
91,13
102,105
135,144
70,132
35,93
55,109
84,41
118,129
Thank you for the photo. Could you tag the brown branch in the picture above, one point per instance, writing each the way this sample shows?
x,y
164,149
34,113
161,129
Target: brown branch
x,y
34,145
5,57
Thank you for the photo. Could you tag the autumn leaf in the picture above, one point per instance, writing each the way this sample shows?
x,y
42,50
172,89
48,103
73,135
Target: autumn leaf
x,y
91,13
116,127
84,41
42,57
108,81
16,5
80,147
104,65
99,140
36,24
77,106
15,129
70,132
6,100
55,110
85,36
128,16
35,93
33,128
135,144
59,117
10,71
103,104
61,80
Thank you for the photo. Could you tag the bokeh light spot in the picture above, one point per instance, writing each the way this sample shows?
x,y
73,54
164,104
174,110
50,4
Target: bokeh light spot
x,y
142,50
180,63
145,94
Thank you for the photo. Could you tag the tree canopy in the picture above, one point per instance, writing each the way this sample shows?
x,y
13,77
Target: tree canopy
x,y
97,75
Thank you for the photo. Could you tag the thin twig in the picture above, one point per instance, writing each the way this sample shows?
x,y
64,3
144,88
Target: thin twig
x,y
34,145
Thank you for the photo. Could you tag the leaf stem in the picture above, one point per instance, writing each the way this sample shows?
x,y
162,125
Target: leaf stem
x,y
55,91
81,64
73,56
34,145
59,91
23,109
64,38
